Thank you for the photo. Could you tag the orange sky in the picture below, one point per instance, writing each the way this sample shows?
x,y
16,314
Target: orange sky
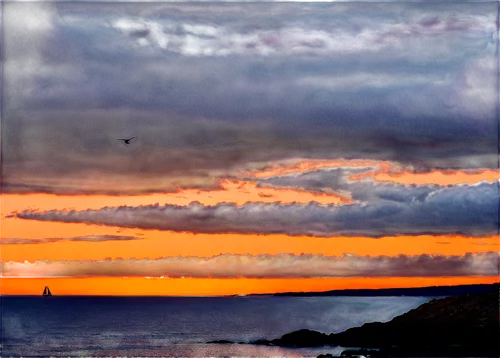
x,y
202,287
163,243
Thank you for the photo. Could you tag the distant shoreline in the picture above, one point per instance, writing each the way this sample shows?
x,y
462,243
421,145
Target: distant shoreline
x,y
430,291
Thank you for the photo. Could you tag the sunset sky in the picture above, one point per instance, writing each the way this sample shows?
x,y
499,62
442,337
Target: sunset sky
x,y
279,147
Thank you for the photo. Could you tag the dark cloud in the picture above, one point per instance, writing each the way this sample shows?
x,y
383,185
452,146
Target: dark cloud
x,y
265,266
87,238
62,189
209,89
470,210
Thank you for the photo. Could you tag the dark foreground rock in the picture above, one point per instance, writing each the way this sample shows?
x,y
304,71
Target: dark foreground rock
x,y
360,352
415,352
471,319
457,326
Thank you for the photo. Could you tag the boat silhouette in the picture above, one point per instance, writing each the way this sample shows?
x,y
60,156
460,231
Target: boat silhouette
x,y
46,291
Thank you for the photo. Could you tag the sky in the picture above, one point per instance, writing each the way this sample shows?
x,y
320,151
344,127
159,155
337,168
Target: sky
x,y
278,146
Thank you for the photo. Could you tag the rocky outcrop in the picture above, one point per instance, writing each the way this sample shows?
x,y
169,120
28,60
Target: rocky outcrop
x,y
304,338
466,325
361,353
471,320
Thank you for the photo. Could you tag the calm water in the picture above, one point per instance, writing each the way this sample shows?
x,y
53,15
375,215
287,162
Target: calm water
x,y
180,327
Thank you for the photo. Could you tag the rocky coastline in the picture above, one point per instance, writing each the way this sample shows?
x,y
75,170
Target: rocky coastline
x,y
457,326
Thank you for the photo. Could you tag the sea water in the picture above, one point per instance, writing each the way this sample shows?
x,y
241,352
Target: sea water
x,y
180,326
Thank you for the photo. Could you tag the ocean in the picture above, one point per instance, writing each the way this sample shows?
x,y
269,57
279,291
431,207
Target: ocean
x,y
92,326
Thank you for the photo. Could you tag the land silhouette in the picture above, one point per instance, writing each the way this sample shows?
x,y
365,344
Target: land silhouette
x,y
432,291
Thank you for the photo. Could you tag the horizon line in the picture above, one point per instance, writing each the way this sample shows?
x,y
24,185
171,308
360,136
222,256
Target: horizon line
x,y
257,294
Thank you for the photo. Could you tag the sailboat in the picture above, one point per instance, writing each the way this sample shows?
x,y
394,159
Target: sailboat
x,y
46,291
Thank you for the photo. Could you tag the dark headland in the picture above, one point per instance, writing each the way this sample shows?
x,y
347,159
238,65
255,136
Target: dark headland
x,y
432,291
465,325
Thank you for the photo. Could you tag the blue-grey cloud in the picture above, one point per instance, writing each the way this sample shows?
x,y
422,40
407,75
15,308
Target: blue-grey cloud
x,y
209,89
470,210
316,180
367,190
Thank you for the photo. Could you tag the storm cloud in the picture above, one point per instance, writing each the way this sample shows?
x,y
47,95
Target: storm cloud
x,y
470,210
211,89
265,266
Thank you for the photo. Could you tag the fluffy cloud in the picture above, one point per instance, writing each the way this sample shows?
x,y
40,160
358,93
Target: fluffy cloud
x,y
209,89
87,238
266,266
462,209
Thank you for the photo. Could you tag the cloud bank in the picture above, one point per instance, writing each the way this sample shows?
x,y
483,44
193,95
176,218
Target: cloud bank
x,y
470,210
265,266
87,238
210,89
